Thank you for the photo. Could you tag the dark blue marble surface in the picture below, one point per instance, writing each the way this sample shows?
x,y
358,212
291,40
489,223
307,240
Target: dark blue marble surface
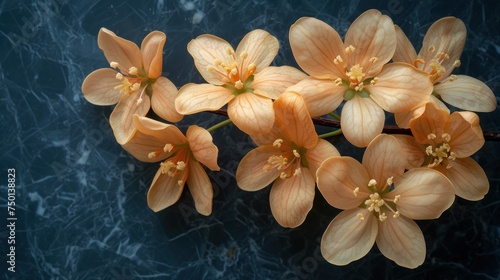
x,y
81,199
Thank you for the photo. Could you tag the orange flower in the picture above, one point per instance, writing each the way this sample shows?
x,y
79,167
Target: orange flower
x,y
138,78
355,70
182,157
242,79
380,203
288,155
441,49
445,142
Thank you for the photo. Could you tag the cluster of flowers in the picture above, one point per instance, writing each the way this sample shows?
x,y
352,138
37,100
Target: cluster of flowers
x,y
401,178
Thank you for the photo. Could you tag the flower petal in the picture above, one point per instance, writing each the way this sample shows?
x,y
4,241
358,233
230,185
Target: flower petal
x,y
347,238
272,80
447,35
465,133
121,119
291,199
293,118
361,120
338,177
315,45
432,120
403,118
270,137
261,48
320,153
166,133
468,178
383,158
117,49
140,145
152,53
206,49
372,35
467,93
321,96
413,152
400,87
195,98
424,194
163,100
202,147
405,52
402,241
99,87
250,174
246,108
164,191
200,188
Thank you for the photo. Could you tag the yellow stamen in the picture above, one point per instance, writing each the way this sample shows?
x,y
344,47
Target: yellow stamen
x,y
360,217
297,171
356,73
372,183
374,202
181,165
338,82
132,71
373,60
168,148
382,217
374,81
446,137
275,161
390,180
356,191
277,143
338,60
238,84
243,55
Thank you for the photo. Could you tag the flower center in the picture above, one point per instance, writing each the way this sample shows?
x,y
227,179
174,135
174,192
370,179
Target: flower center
x,y
176,163
439,154
377,203
231,75
132,81
288,161
356,76
433,65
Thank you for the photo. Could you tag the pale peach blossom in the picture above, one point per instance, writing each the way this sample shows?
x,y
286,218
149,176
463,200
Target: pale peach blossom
x,y
289,156
380,203
181,162
355,70
133,82
439,56
445,142
242,79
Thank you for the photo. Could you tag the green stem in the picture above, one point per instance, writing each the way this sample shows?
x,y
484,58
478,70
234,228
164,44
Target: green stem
x,y
219,125
335,116
331,134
